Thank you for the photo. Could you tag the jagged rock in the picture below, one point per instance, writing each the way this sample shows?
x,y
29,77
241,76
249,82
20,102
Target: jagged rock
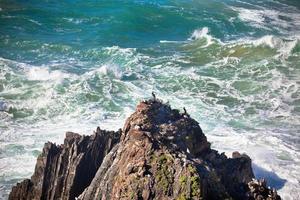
x,y
160,154
62,172
258,190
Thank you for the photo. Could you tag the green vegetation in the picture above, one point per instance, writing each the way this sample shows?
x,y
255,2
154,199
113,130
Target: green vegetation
x,y
195,181
164,175
182,197
182,180
192,169
195,186
131,195
190,182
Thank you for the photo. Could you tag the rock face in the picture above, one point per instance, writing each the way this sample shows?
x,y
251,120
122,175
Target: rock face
x,y
259,190
160,154
64,171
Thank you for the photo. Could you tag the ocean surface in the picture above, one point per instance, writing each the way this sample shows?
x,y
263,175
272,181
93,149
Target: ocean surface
x,y
75,65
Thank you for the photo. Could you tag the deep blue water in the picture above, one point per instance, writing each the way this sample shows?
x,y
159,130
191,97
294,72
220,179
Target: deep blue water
x,y
74,65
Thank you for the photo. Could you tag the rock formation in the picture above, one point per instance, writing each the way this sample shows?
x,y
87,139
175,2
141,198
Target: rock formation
x,y
64,171
160,154
260,191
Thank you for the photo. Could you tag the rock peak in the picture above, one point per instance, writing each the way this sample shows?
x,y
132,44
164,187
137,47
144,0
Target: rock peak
x,y
168,126
159,154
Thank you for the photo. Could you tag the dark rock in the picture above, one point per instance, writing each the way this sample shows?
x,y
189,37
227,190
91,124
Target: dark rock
x,y
63,172
160,154
258,190
22,190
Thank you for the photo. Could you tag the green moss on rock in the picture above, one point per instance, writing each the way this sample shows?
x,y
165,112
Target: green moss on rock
x,y
164,175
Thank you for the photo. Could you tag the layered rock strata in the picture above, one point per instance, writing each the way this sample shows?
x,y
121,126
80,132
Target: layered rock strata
x,y
64,171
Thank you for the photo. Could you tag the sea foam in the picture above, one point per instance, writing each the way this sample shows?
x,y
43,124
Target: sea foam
x,y
202,33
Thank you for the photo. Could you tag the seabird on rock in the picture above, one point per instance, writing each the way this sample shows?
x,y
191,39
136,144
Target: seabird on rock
x,y
98,129
154,96
185,113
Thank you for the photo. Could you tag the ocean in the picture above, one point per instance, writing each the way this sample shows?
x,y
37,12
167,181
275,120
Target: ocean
x,y
75,65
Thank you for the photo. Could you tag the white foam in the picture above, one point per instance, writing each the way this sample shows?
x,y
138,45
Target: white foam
x,y
35,22
283,46
169,41
268,40
202,33
108,69
113,69
10,166
75,21
270,19
263,151
250,15
4,106
116,50
44,74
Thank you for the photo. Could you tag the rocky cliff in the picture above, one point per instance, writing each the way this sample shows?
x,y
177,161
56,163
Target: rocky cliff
x,y
159,154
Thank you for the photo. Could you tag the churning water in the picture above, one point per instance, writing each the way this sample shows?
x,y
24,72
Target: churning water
x,y
73,65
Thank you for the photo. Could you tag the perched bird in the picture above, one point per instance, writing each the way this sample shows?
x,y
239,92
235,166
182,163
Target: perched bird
x,y
154,96
98,129
185,112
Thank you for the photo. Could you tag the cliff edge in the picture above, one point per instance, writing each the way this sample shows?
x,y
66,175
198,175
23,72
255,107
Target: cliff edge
x,y
159,154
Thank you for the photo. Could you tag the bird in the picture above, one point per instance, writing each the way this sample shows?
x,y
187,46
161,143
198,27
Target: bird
x,y
154,96
98,129
185,114
184,110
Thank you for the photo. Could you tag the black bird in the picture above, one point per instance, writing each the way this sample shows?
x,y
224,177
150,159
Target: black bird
x,y
185,112
153,95
98,129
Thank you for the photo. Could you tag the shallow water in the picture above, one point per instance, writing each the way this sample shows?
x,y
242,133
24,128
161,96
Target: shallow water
x,y
74,65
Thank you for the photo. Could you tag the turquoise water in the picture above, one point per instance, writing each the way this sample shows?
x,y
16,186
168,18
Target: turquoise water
x,y
74,65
